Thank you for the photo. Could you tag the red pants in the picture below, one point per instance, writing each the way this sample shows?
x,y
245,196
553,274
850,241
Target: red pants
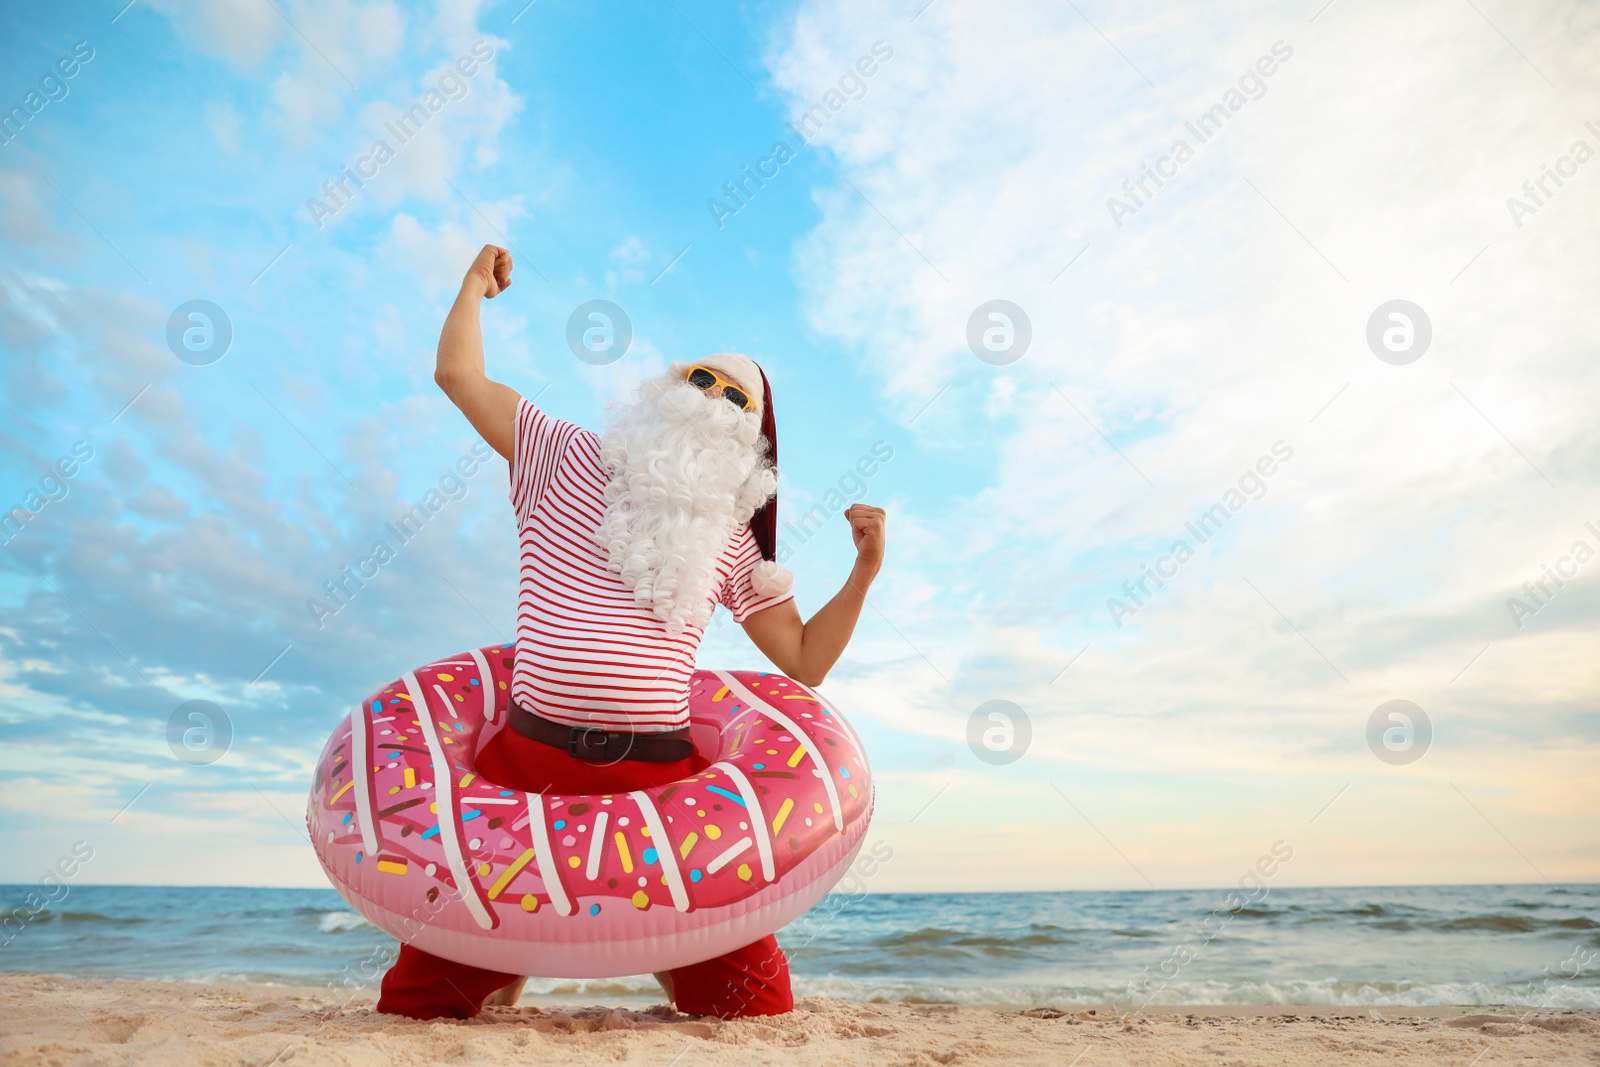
x,y
753,980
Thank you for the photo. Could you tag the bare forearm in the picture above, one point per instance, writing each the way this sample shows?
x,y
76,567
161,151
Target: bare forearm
x,y
827,633
488,405
807,651
460,353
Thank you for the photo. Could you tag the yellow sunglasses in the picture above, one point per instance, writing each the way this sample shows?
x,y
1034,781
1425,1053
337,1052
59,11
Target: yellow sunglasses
x,y
703,378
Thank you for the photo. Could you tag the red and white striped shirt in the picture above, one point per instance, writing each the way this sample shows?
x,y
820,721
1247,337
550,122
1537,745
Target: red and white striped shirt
x,y
587,653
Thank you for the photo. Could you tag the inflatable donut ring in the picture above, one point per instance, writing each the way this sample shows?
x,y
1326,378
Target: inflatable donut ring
x,y
586,886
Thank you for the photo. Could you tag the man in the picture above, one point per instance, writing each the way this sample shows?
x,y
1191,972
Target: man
x,y
628,542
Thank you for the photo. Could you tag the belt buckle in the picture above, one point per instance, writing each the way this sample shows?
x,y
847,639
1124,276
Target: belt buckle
x,y
588,743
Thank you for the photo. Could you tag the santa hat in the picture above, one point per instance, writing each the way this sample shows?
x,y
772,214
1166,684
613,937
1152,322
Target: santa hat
x,y
769,578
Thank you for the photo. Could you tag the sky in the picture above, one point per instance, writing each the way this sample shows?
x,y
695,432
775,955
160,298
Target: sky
x,y
1286,407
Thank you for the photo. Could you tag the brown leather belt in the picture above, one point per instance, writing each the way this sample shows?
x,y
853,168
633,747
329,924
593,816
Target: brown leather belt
x,y
600,745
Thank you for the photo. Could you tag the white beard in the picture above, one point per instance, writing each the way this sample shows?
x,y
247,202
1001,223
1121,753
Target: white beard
x,y
687,470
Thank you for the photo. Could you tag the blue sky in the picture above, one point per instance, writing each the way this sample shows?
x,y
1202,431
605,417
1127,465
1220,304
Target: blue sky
x,y
1170,353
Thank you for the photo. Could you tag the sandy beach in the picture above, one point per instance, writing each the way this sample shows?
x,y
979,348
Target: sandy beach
x,y
66,1022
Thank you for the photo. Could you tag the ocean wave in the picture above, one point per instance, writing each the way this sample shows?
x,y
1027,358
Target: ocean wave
x,y
925,934
46,915
937,941
1497,924
1385,947
337,922
97,917
1327,992
1516,924
633,987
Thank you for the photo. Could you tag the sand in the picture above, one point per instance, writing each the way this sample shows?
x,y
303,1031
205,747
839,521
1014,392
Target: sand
x,y
64,1021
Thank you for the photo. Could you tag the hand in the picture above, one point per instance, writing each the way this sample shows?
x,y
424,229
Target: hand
x,y
492,270
866,527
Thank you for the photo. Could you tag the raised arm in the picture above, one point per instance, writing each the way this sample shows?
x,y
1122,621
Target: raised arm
x,y
807,651
490,406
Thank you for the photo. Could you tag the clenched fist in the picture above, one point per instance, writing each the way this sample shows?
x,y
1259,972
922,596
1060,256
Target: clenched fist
x,y
491,270
866,527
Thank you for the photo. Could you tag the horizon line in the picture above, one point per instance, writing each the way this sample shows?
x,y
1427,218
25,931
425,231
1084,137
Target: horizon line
x,y
906,892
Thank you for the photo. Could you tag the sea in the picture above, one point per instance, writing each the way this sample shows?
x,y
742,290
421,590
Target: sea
x,y
1531,946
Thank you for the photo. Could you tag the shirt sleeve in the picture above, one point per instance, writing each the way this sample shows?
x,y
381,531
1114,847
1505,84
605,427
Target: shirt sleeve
x,y
737,595
540,442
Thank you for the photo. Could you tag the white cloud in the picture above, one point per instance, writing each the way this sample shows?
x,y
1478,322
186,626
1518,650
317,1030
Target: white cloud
x,y
1196,335
344,47
241,31
23,217
632,252
224,122
461,120
439,257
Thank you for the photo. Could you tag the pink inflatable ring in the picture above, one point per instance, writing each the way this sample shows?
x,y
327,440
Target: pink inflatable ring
x,y
586,886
